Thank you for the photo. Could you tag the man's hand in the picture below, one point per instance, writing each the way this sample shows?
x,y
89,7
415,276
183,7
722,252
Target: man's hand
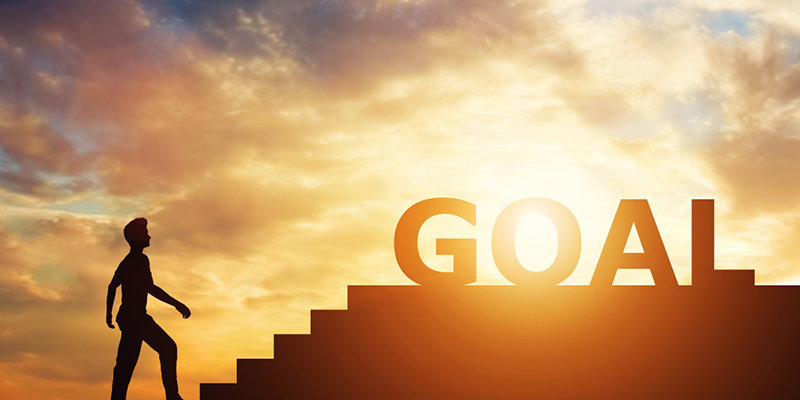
x,y
183,310
108,321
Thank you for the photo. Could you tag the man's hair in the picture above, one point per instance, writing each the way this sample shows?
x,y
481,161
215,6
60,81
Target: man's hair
x,y
134,229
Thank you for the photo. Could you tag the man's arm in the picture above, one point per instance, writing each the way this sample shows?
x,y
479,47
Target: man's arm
x,y
160,294
112,291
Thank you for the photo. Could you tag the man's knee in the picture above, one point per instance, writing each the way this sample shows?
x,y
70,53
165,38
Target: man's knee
x,y
168,349
127,359
128,353
124,368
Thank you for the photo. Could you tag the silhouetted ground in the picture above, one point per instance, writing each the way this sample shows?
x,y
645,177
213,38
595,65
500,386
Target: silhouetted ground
x,y
727,341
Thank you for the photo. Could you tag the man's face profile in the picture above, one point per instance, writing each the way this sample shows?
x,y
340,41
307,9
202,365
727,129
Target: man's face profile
x,y
141,238
144,238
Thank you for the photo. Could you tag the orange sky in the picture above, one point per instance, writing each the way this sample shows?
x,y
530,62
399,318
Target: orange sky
x,y
273,145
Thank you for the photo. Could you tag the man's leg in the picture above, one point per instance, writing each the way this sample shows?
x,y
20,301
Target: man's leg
x,y
167,351
127,354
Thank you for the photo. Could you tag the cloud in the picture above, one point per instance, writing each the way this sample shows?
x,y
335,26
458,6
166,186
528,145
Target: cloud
x,y
349,46
756,154
45,22
43,43
157,110
41,47
36,150
233,214
761,169
42,268
15,287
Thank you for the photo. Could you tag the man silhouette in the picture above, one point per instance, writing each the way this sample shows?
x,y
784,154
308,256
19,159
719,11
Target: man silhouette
x,y
134,275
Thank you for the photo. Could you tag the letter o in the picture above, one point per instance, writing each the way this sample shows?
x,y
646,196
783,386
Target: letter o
x,y
504,243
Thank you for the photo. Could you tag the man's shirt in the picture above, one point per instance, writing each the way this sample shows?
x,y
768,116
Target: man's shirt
x,y
134,275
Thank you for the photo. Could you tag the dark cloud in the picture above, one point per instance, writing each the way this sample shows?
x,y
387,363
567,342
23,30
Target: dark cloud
x,y
42,44
86,24
236,27
37,150
164,124
36,81
350,45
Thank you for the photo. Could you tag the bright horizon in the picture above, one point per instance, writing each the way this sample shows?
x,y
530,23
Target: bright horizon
x,y
273,146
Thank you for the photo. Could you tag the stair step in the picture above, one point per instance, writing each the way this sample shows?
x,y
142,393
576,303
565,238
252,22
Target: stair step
x,y
250,370
293,346
257,376
377,297
327,321
218,391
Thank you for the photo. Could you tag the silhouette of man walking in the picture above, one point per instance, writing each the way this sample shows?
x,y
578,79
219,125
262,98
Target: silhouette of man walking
x,y
134,275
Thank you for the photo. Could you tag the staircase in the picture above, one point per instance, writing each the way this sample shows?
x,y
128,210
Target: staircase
x,y
733,341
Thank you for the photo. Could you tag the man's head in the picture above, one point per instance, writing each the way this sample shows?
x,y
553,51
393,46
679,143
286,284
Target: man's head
x,y
136,233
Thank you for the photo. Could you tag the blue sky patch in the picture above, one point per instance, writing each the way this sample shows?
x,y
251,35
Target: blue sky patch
x,y
6,163
99,206
729,20
610,8
88,206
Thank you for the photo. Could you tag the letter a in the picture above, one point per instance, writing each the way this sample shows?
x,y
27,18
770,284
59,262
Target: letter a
x,y
613,256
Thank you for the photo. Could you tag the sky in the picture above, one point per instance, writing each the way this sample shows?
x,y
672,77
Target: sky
x,y
273,146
